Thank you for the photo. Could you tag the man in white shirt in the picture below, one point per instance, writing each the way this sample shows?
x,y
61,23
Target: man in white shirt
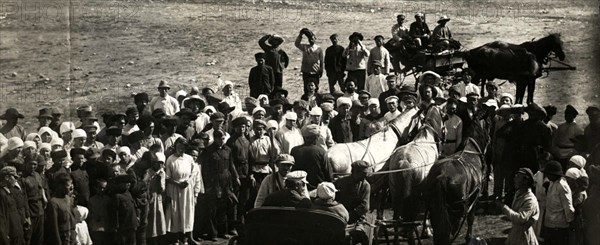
x,y
326,139
381,54
452,128
169,104
559,211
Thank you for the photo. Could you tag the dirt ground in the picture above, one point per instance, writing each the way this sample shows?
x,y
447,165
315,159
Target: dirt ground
x,y
100,52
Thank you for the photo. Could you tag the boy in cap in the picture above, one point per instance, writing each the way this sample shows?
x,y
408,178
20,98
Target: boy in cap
x,y
239,145
326,201
32,184
335,63
261,79
122,210
261,152
380,54
275,57
289,136
354,193
312,58
294,193
559,210
164,101
562,145
376,82
312,158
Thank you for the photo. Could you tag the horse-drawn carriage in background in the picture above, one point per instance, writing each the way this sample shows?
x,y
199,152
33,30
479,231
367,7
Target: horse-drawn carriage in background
x,y
448,64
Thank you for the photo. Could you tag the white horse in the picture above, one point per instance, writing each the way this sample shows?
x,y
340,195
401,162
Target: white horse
x,y
407,168
374,150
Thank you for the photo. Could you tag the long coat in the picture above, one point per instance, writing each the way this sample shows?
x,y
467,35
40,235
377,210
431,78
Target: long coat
x,y
523,214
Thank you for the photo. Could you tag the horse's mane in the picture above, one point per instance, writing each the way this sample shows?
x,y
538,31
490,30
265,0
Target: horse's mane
x,y
424,130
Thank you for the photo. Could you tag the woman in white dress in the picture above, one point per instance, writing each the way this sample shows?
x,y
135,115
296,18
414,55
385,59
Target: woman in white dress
x,y
183,186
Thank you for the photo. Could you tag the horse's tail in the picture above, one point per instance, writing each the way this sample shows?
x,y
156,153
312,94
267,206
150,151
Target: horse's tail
x,y
438,209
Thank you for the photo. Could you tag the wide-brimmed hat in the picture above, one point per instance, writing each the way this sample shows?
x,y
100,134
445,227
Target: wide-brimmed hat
x,y
438,78
57,111
571,111
535,108
225,108
553,168
279,90
276,38
45,113
356,34
89,115
11,113
164,84
443,18
186,112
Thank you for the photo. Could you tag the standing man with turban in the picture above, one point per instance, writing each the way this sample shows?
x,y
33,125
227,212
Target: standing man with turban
x,y
312,158
275,57
341,125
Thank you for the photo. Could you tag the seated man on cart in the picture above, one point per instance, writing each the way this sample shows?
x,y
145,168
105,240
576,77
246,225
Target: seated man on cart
x,y
354,193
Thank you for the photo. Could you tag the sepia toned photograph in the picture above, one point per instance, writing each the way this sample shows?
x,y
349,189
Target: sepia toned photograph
x,y
299,122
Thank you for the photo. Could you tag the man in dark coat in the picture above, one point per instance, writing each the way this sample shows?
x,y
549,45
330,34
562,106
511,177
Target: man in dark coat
x,y
220,178
312,158
261,79
59,217
335,64
535,138
275,57
294,194
11,223
81,179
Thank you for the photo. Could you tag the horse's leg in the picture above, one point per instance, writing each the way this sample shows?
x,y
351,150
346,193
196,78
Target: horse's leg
x,y
530,90
521,85
470,221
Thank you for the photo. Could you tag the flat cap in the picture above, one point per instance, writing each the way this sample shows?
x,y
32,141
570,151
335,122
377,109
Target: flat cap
x,y
259,122
362,166
8,170
285,158
59,154
239,121
297,175
310,130
217,116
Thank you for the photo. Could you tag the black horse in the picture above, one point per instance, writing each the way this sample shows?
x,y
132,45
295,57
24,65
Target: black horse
x,y
516,63
453,186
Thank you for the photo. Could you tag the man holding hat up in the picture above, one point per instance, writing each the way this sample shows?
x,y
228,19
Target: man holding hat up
x,y
261,78
312,58
357,56
312,158
562,145
275,57
164,101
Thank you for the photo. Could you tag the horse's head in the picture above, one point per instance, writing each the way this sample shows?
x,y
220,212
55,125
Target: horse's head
x,y
427,133
555,44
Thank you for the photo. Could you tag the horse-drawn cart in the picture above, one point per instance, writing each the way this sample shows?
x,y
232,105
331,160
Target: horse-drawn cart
x,y
289,226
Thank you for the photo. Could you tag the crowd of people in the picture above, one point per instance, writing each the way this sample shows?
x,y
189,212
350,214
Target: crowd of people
x,y
177,169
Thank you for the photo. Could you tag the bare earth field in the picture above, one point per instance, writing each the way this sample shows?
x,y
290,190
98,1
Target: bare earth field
x,y
61,53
